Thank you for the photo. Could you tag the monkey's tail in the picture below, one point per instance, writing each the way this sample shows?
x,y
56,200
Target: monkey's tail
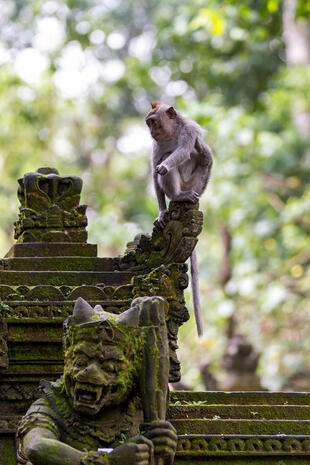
x,y
195,292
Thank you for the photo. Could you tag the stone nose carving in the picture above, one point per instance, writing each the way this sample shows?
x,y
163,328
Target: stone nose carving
x,y
93,374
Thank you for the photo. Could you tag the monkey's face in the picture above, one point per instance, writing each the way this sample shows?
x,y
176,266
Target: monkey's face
x,y
161,127
155,128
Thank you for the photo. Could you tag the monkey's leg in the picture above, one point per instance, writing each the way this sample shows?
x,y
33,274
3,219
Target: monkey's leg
x,y
187,196
171,185
204,152
203,168
160,220
201,178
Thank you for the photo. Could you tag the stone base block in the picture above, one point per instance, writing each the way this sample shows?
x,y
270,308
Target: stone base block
x,y
53,249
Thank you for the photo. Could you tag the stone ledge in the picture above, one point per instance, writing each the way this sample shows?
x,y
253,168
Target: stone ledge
x,y
239,397
61,278
250,412
237,426
58,264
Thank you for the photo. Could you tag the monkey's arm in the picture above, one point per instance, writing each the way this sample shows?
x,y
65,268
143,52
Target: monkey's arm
x,y
158,190
160,195
186,143
160,221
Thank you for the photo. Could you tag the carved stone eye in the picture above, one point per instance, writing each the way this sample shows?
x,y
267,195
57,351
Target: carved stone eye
x,y
109,368
80,362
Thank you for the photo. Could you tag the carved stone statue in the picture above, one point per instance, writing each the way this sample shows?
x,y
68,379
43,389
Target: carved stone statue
x,y
110,405
240,362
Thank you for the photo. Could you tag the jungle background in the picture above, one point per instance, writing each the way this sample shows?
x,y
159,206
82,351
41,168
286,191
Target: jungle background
x,y
76,81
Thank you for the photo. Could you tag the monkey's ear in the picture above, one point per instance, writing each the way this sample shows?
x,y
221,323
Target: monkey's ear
x,y
171,113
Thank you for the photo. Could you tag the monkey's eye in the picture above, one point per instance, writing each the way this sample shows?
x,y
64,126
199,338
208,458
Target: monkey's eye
x,y
149,122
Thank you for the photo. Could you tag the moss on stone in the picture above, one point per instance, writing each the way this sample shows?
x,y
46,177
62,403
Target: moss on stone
x,y
219,426
240,398
254,412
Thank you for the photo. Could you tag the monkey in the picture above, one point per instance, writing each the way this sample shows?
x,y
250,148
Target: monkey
x,y
181,160
181,166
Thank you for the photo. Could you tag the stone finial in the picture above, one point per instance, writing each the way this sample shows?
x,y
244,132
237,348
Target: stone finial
x,y
47,170
49,208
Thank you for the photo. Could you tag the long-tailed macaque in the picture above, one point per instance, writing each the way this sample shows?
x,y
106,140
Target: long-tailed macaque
x,y
181,164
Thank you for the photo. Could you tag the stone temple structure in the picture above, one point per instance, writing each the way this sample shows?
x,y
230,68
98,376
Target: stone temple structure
x,y
51,265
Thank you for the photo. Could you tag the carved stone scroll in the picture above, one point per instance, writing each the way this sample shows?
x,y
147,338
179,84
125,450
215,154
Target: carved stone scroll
x,y
172,244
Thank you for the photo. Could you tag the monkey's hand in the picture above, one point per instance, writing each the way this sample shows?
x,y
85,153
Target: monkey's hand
x,y
161,220
161,169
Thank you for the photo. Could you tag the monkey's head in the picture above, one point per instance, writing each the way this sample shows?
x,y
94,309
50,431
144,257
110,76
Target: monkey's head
x,y
161,121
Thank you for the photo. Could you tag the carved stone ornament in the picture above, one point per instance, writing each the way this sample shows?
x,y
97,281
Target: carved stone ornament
x,y
110,405
168,281
4,358
172,244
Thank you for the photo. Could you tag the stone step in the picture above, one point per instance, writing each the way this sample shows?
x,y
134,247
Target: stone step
x,y
239,398
38,332
252,412
219,426
31,352
58,264
41,370
53,249
61,278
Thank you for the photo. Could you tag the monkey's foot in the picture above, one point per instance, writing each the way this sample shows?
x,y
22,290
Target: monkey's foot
x,y
160,220
189,196
161,169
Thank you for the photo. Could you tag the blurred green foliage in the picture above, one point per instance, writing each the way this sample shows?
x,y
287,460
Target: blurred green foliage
x,y
76,81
